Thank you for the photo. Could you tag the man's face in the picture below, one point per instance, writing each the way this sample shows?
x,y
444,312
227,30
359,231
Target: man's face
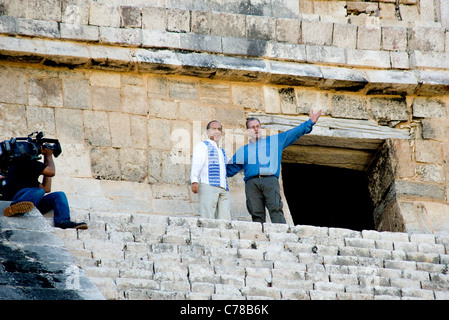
x,y
254,130
215,131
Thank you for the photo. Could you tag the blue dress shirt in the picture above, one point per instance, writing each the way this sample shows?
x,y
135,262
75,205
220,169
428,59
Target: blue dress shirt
x,y
264,156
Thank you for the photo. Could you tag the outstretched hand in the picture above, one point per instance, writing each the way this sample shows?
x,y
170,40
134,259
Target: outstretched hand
x,y
314,116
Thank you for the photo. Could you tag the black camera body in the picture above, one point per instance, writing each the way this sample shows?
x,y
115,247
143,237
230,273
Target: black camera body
x,y
26,148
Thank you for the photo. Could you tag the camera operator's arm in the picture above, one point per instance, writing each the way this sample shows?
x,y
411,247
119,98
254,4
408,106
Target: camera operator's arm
x,y
49,170
46,184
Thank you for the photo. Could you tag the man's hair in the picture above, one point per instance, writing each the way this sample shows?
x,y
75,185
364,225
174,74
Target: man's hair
x,y
208,125
251,119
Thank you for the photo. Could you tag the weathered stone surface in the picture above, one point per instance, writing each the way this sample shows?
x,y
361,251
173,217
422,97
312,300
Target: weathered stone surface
x,y
388,109
39,28
326,54
105,163
288,30
261,260
79,32
108,58
316,33
165,68
394,38
426,39
7,25
435,129
349,107
437,60
345,36
130,17
425,108
391,82
368,58
96,128
428,151
178,20
45,92
36,265
126,37
102,14
419,190
133,164
13,86
368,38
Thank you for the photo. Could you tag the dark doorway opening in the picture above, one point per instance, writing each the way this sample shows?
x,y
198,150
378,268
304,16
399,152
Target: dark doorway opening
x,y
327,196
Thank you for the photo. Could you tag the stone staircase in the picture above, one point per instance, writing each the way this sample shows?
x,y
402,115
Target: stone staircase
x,y
36,265
138,257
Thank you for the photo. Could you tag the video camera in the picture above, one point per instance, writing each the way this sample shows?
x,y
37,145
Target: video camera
x,y
26,148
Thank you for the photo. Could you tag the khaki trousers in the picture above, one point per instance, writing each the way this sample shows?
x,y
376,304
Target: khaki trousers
x,y
214,202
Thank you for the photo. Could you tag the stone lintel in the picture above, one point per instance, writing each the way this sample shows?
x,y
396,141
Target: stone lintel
x,y
343,143
334,127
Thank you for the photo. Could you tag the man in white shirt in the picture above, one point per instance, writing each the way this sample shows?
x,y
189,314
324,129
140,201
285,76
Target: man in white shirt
x,y
208,175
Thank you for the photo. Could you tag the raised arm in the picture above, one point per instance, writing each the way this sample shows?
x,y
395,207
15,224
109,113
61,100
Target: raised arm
x,y
290,136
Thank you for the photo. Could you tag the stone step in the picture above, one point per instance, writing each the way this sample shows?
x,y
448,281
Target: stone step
x,y
36,265
137,256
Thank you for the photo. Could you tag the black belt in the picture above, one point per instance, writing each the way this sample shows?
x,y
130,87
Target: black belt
x,y
260,176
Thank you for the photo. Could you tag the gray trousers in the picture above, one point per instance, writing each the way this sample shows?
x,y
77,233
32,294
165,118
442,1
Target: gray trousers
x,y
214,202
264,192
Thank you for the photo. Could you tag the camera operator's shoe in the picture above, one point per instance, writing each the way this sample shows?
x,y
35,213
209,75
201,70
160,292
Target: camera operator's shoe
x,y
20,207
71,225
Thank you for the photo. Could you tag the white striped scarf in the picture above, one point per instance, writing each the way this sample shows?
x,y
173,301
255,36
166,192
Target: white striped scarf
x,y
214,165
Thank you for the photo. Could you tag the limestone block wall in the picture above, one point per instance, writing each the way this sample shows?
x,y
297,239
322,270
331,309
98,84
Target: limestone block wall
x,y
118,154
129,86
129,161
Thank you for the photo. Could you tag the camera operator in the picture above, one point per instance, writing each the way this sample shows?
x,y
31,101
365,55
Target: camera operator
x,y
25,191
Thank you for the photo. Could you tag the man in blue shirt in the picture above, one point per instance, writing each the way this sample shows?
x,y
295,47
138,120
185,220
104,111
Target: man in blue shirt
x,y
260,161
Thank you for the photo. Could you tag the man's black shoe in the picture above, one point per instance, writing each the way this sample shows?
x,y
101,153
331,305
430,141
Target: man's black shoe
x,y
71,225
